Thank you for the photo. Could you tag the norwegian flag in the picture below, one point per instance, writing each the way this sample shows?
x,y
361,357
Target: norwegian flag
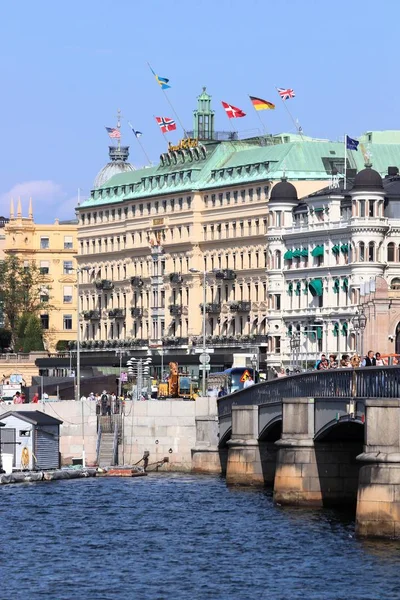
x,y
113,132
286,94
166,124
232,112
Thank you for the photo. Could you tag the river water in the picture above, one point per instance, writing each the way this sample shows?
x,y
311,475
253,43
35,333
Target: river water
x,y
174,536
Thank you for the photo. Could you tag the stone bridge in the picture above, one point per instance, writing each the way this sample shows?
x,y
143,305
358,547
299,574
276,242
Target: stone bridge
x,y
320,438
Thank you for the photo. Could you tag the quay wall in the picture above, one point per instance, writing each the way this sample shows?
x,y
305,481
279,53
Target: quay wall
x,y
163,428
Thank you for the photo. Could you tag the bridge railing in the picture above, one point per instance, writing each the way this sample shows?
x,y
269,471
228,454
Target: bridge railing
x,y
367,382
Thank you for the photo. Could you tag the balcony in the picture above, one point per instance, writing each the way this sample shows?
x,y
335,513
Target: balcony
x,y
116,313
175,278
104,284
137,282
175,341
212,307
226,274
230,341
137,312
91,315
175,310
240,306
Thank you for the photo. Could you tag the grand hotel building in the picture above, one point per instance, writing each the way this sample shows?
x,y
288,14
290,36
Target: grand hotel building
x,y
145,238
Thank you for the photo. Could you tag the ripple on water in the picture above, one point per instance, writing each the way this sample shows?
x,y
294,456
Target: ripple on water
x,y
181,537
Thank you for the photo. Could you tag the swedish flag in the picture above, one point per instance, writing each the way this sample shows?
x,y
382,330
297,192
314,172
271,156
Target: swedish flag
x,y
162,81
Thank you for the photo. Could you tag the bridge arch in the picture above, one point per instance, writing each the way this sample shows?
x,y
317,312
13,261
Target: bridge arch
x,y
272,432
226,436
342,430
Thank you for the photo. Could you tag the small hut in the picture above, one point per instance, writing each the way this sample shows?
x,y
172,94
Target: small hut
x,y
33,438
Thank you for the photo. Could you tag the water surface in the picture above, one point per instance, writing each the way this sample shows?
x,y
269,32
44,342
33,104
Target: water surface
x,y
173,537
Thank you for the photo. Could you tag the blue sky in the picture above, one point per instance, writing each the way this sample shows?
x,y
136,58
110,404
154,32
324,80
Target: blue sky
x,y
66,67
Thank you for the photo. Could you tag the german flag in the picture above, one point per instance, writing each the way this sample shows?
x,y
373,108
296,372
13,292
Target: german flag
x,y
260,104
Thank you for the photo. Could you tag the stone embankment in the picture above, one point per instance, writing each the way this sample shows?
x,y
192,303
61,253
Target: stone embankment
x,y
33,476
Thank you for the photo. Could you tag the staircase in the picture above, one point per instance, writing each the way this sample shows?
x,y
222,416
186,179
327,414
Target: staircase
x,y
106,450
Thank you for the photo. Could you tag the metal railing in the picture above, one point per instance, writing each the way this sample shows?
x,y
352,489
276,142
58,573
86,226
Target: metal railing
x,y
98,445
368,382
115,446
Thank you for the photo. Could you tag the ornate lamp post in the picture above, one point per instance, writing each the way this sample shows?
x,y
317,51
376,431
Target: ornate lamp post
x,y
359,322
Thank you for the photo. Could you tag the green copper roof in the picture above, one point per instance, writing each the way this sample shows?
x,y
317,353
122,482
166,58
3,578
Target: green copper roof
x,y
241,162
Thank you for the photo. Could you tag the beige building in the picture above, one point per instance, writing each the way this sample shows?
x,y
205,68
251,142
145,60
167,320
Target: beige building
x,y
53,248
203,207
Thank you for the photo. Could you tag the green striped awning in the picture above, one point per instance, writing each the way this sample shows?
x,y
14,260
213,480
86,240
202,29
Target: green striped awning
x,y
345,285
318,251
336,286
344,248
290,288
336,249
298,288
319,209
304,252
288,255
296,253
335,330
316,287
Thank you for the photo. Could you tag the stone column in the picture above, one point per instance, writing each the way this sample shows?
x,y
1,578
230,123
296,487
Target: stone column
x,y
296,477
206,456
244,462
378,500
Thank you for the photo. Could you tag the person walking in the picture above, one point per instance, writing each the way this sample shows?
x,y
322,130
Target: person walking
x,y
248,382
104,402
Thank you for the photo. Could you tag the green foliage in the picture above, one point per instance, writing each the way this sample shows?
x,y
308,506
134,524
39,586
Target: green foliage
x,y
20,291
5,338
33,335
62,346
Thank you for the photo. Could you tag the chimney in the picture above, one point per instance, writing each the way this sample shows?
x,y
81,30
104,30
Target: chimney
x,y
351,174
393,171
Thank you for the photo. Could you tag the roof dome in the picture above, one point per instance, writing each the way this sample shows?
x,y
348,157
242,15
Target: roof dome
x,y
284,192
368,179
118,164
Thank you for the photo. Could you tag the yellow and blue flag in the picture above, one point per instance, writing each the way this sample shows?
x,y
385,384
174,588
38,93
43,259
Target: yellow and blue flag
x,y
162,81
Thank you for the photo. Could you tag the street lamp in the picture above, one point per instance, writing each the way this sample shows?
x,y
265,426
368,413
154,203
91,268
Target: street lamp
x,y
120,352
294,347
78,361
359,322
1,454
203,366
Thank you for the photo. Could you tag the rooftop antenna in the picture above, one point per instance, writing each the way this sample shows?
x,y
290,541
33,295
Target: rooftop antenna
x,y
119,127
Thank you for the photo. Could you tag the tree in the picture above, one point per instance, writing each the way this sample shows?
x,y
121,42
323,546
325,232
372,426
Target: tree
x,y
5,338
33,335
22,291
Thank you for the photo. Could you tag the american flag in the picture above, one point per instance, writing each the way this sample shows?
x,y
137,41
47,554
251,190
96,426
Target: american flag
x,y
286,93
113,132
166,124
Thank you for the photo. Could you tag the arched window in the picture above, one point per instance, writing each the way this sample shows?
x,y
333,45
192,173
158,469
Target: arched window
x,y
278,259
390,252
395,284
361,252
371,252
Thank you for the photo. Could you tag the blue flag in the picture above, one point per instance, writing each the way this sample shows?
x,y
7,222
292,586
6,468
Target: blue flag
x,y
351,144
138,134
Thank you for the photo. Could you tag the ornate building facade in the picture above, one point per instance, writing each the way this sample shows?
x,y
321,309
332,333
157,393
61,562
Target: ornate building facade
x,y
333,256
53,249
146,237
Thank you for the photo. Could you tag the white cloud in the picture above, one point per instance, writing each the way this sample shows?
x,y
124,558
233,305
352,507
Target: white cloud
x,y
49,200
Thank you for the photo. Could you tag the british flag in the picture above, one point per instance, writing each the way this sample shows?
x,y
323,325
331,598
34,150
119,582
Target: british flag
x,y
286,93
166,124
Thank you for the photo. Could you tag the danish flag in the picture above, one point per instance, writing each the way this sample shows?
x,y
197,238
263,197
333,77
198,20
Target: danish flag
x,y
232,112
166,124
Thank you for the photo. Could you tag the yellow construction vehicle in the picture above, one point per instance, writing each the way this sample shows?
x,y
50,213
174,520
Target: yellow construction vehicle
x,y
179,385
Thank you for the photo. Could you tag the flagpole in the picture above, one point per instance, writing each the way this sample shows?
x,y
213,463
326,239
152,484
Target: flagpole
x,y
140,143
172,108
345,161
264,129
290,115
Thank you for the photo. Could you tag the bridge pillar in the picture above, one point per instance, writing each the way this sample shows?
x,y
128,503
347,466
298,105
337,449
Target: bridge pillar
x,y
206,457
378,500
244,462
296,478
